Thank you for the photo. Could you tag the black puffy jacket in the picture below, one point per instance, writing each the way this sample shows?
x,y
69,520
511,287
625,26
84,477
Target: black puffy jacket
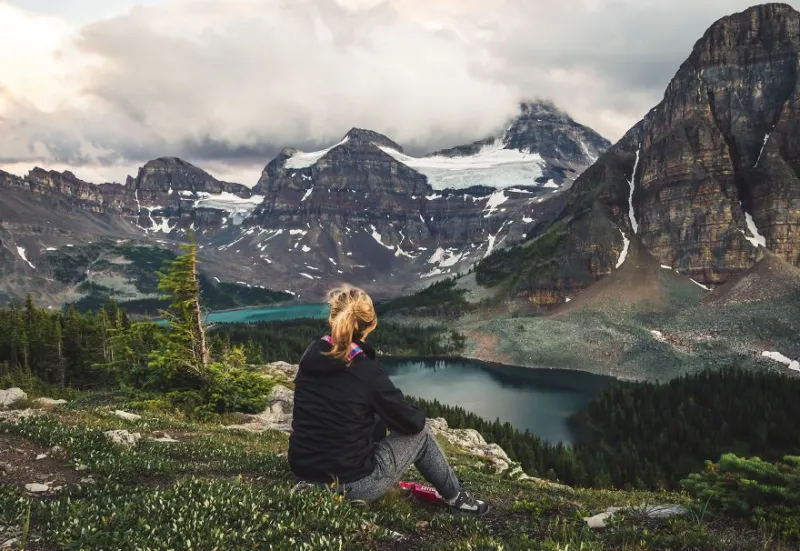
x,y
335,408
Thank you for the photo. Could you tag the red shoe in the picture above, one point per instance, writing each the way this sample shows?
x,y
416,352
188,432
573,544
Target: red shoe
x,y
423,493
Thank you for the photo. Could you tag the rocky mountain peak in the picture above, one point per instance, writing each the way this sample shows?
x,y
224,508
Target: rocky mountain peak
x,y
544,129
362,136
171,174
54,178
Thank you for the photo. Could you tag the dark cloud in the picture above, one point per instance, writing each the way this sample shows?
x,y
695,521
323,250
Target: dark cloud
x,y
231,83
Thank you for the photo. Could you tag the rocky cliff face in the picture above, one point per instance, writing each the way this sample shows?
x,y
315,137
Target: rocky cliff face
x,y
62,189
709,178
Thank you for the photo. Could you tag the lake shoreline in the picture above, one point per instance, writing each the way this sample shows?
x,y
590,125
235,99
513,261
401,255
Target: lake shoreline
x,y
496,365
264,306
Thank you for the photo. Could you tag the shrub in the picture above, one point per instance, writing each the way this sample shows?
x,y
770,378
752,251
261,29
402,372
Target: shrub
x,y
234,388
760,491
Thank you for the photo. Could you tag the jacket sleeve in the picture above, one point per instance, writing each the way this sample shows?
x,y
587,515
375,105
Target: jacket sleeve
x,y
391,406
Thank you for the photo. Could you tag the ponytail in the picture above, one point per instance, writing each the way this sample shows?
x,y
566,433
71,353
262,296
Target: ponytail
x,y
352,317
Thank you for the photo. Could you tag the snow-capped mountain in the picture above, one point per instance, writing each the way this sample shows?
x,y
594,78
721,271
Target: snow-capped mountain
x,y
361,210
543,146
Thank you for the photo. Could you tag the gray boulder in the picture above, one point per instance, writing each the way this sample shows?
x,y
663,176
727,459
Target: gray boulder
x,y
123,438
127,416
11,396
277,416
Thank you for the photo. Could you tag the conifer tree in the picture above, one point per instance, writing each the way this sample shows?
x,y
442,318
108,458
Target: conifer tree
x,y
185,346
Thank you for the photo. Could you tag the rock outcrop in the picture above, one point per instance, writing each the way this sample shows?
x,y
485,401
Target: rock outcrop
x,y
127,416
49,402
11,396
123,438
472,442
646,511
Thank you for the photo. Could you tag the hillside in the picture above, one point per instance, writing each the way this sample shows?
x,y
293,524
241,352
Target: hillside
x,y
640,283
642,343
165,483
771,279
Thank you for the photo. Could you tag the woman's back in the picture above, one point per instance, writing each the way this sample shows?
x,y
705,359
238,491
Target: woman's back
x,y
332,426
334,415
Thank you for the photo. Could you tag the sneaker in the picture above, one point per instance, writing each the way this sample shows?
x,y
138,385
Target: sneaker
x,y
463,503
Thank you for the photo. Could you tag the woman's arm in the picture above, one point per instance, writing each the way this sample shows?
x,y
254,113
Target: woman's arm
x,y
389,403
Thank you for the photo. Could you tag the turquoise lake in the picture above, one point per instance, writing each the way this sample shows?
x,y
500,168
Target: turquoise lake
x,y
271,313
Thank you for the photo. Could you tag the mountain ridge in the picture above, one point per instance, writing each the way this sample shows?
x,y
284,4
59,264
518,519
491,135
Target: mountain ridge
x,y
360,211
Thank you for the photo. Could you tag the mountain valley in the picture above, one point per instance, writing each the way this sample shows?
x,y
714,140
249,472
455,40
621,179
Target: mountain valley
x,y
696,209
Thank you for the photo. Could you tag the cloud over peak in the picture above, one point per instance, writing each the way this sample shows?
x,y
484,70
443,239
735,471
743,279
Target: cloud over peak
x,y
228,83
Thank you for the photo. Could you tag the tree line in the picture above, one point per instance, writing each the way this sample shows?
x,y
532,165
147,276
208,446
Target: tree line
x,y
107,350
646,435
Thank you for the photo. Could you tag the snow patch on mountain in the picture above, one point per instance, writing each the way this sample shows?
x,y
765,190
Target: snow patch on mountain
x,y
492,242
238,207
794,365
591,158
760,153
301,159
445,258
492,166
632,184
377,237
163,226
700,284
626,245
495,200
21,252
755,238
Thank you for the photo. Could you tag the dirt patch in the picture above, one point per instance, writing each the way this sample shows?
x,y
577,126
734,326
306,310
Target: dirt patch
x,y
485,346
19,466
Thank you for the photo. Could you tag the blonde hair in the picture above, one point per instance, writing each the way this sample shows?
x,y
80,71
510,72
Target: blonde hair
x,y
352,317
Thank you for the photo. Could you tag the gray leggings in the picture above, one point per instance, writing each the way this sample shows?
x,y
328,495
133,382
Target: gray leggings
x,y
394,455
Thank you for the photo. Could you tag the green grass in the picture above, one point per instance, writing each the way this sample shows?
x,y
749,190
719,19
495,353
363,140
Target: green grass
x,y
222,489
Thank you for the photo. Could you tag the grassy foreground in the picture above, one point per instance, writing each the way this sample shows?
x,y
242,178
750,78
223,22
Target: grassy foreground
x,y
217,488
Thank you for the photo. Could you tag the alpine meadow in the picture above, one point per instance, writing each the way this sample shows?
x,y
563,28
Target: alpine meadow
x,y
602,334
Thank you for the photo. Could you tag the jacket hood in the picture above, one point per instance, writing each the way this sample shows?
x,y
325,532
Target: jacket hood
x,y
317,362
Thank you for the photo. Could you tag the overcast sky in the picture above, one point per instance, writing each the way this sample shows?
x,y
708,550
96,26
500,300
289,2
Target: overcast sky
x,y
100,86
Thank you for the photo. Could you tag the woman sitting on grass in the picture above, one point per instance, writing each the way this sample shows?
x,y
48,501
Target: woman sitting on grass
x,y
344,401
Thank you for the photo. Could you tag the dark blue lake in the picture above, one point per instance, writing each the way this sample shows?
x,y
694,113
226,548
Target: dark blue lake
x,y
540,400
